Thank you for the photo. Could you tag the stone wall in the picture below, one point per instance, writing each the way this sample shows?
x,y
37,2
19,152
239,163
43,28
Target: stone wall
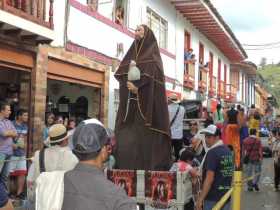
x,y
39,89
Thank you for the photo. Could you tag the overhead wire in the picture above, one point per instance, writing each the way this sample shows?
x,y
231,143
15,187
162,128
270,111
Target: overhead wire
x,y
268,48
262,45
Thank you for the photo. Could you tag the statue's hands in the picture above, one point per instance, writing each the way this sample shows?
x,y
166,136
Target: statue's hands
x,y
131,87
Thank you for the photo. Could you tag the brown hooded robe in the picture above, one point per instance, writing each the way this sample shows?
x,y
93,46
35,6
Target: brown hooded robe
x,y
143,136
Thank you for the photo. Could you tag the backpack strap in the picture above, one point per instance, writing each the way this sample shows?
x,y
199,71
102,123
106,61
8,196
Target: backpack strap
x,y
42,160
175,116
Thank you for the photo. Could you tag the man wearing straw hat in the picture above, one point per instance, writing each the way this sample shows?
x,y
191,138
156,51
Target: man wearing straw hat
x,y
58,157
176,117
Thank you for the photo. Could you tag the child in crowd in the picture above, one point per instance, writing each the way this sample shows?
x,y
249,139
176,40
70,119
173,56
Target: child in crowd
x,y
185,163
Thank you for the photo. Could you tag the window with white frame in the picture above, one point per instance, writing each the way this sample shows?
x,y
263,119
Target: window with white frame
x,y
159,26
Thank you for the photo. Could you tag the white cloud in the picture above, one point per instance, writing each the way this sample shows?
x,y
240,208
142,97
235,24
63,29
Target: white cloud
x,y
253,22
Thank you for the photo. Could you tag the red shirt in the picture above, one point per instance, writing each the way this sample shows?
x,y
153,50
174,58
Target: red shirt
x,y
252,146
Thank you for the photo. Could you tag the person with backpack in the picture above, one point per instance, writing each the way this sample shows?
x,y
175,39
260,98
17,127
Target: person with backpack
x,y
252,159
276,159
176,117
58,157
86,186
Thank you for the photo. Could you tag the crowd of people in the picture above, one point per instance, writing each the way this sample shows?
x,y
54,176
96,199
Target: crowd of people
x,y
68,173
202,154
84,155
199,152
239,131
14,148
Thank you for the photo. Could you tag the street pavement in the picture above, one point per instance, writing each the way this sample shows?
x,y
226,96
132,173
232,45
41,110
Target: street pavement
x,y
266,198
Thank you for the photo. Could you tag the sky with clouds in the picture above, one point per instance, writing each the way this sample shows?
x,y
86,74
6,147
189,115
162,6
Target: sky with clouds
x,y
254,22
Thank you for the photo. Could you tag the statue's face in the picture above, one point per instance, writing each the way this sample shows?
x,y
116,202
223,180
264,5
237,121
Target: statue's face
x,y
139,33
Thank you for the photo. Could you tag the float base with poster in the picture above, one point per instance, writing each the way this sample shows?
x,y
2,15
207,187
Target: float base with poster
x,y
125,179
153,189
160,188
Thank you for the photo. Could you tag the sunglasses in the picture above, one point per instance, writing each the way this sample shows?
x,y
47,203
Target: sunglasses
x,y
193,124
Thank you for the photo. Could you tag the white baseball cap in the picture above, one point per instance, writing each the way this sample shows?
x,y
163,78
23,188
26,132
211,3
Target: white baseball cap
x,y
210,130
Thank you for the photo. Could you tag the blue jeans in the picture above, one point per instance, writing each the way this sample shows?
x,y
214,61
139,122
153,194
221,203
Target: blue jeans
x,y
4,169
208,205
252,168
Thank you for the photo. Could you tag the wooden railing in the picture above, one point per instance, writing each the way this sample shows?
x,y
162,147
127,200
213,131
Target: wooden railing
x,y
202,79
188,81
189,75
231,93
38,11
214,83
221,89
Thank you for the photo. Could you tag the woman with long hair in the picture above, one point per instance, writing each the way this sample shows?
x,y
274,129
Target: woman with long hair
x,y
233,133
219,117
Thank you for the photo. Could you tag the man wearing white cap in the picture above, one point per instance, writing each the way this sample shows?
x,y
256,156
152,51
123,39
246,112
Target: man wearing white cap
x,y
217,170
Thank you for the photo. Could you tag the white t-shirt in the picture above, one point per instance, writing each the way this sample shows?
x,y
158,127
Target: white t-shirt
x,y
276,150
177,126
56,159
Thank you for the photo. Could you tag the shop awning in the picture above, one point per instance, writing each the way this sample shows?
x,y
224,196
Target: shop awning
x,y
74,73
204,16
16,59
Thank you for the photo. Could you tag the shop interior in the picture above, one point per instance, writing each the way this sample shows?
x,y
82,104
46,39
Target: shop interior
x,y
15,89
72,100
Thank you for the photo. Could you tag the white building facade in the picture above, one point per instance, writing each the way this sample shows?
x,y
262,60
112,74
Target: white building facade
x,y
91,30
243,76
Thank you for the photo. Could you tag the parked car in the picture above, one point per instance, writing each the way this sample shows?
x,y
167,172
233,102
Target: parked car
x,y
266,143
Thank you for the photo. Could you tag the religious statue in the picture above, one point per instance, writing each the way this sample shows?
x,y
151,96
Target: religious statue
x,y
142,125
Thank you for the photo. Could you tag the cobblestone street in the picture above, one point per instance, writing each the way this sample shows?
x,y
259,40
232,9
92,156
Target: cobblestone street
x,y
266,199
